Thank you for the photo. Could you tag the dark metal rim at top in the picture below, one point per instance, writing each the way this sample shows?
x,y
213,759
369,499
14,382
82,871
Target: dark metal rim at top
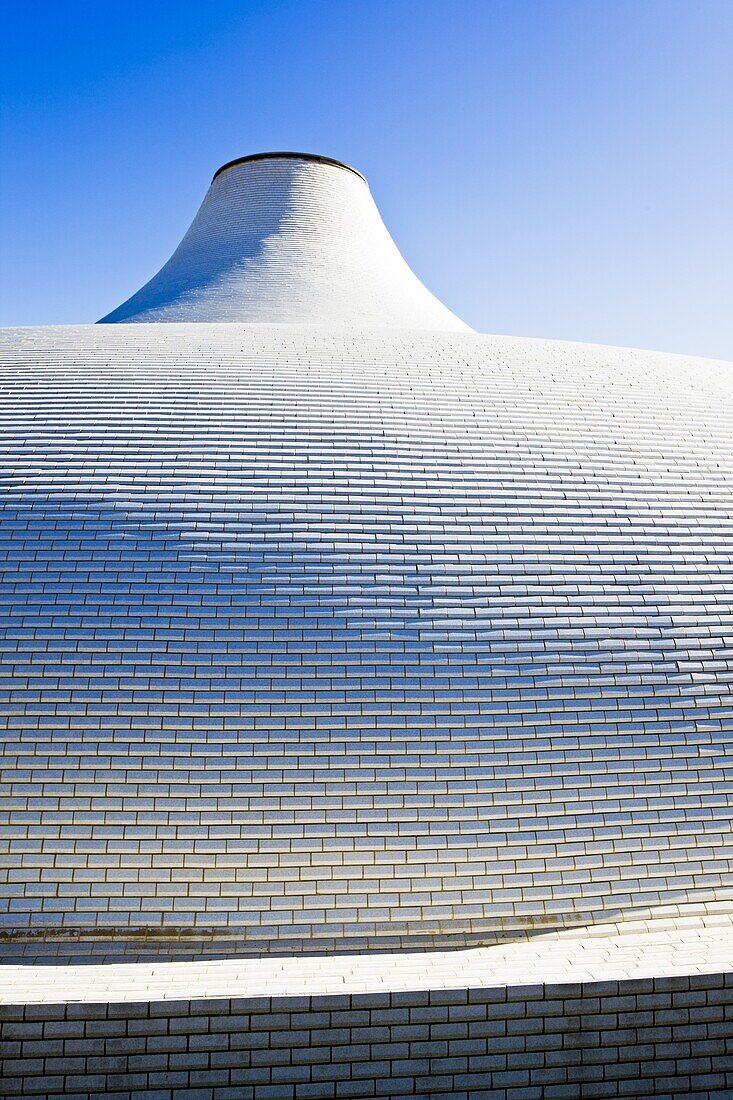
x,y
286,156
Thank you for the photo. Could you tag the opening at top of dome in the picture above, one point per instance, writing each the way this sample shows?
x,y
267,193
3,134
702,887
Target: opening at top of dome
x,y
286,156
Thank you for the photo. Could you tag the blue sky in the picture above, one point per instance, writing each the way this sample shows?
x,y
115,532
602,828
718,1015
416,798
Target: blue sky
x,y
557,168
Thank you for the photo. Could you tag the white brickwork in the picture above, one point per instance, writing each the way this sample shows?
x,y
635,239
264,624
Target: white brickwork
x,y
659,947
639,1027
358,638
288,240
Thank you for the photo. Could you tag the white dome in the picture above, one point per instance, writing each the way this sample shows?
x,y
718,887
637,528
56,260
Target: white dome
x,y
366,637
325,632
288,238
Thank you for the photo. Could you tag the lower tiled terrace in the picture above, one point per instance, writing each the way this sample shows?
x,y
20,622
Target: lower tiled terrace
x,y
641,1009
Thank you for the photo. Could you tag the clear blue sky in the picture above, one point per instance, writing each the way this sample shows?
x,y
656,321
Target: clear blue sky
x,y
558,168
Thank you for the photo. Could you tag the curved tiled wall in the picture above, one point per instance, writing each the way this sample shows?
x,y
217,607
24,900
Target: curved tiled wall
x,y
288,239
361,636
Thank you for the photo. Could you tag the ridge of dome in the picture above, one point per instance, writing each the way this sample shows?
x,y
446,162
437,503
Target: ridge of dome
x,y
316,158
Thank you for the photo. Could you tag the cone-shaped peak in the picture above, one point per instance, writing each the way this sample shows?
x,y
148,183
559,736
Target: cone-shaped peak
x,y
288,238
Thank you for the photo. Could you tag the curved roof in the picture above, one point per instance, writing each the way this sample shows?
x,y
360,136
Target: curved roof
x,y
363,637
288,238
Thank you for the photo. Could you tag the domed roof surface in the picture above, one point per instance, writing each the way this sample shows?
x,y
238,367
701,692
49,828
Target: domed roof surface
x,y
345,635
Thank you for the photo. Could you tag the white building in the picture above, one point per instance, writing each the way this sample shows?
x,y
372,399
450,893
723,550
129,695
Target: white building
x,y
333,626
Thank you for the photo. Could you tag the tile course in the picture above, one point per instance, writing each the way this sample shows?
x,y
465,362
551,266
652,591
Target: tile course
x,y
661,946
